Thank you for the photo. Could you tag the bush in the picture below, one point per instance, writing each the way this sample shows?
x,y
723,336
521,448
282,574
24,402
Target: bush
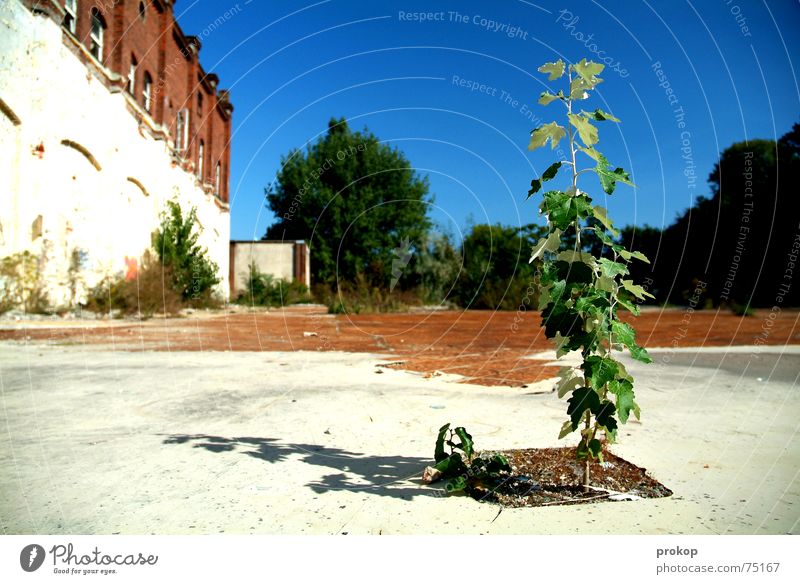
x,y
266,290
21,283
192,273
151,292
496,273
361,298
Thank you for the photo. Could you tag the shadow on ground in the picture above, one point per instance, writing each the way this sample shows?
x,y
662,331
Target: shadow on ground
x,y
387,476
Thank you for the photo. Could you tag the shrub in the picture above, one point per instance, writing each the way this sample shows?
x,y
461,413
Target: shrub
x,y
21,283
266,290
362,298
192,273
151,292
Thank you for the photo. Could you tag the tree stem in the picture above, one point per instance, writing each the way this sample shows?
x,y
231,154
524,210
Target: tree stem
x,y
587,462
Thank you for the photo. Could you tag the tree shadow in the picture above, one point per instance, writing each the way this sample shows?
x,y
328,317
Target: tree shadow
x,y
386,476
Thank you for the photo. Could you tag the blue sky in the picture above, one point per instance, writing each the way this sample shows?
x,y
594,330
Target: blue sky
x,y
291,66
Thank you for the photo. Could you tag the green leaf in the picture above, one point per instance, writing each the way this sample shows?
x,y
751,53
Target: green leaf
x,y
558,208
560,343
633,254
601,214
605,416
566,428
588,70
549,243
579,88
629,306
583,398
546,98
595,449
466,441
609,178
623,333
451,466
548,174
568,385
542,134
555,70
591,153
636,290
456,484
583,206
623,390
557,318
440,454
600,370
606,284
640,354
611,269
602,116
586,130
498,463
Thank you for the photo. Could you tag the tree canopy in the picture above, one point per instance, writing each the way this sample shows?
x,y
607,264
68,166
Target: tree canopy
x,y
355,200
739,241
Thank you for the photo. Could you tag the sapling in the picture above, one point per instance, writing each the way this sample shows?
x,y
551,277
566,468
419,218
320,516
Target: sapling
x,y
582,270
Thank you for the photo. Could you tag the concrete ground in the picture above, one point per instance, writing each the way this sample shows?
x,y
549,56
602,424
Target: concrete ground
x,y
96,441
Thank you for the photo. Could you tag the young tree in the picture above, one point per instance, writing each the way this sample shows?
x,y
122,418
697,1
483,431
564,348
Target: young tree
x,y
581,292
354,199
175,242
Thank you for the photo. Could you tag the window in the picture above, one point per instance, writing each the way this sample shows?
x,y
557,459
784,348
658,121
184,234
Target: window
x,y
132,76
71,15
182,130
142,11
200,104
147,92
217,178
96,35
201,154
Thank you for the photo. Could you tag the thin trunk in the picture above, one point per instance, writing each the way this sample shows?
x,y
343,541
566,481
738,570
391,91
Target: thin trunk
x,y
586,476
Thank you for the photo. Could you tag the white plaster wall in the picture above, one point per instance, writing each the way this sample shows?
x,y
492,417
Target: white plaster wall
x,y
276,259
101,213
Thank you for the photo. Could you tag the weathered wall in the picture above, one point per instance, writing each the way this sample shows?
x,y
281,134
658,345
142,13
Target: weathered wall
x,y
285,260
74,152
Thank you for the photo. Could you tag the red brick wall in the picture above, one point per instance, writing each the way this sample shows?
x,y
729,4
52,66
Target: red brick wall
x,y
171,58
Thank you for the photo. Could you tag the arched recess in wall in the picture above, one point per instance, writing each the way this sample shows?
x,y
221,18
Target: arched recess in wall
x,y
9,113
140,185
83,150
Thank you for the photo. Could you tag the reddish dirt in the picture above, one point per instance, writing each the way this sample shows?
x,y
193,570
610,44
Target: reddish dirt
x,y
486,347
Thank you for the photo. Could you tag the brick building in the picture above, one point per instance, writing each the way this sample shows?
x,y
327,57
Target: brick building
x,y
105,114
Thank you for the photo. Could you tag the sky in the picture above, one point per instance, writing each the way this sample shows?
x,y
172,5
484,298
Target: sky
x,y
454,85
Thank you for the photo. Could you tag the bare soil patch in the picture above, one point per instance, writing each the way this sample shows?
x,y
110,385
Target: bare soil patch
x,y
485,347
552,476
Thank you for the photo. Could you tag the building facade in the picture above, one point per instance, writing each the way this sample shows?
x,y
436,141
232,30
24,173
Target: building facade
x,y
105,115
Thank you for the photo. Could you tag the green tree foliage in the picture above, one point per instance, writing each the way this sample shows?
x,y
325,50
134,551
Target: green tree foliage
x,y
496,272
434,269
193,274
354,199
740,239
582,292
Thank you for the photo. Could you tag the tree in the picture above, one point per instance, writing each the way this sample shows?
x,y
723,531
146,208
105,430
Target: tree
x,y
354,199
193,274
739,240
495,271
581,292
